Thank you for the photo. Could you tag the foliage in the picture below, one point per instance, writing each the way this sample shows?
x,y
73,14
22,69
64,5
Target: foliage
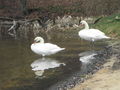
x,y
77,7
109,25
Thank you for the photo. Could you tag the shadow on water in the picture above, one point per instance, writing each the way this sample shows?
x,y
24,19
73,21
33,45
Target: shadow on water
x,y
21,69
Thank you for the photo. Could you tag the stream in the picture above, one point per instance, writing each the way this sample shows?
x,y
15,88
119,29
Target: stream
x,y
21,69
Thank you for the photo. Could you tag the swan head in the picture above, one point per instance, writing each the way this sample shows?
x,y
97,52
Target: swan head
x,y
83,22
39,40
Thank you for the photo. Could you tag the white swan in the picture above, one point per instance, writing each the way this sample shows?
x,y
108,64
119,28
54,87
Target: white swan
x,y
41,48
91,34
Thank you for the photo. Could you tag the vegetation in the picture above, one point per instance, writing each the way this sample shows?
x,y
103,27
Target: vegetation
x,y
110,25
23,8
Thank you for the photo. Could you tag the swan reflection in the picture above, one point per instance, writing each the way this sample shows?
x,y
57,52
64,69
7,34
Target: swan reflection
x,y
86,57
42,64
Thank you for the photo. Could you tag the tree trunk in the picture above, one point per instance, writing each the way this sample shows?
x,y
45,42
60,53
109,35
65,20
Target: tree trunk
x,y
23,4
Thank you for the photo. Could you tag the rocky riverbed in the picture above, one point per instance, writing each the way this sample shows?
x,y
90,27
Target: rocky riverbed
x,y
103,66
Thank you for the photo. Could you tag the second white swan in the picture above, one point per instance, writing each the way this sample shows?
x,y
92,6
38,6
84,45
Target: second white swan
x,y
91,34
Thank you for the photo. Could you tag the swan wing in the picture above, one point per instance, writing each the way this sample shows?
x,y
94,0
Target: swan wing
x,y
51,46
96,31
46,48
91,34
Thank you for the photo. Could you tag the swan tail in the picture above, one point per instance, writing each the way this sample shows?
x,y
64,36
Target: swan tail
x,y
62,48
106,37
57,50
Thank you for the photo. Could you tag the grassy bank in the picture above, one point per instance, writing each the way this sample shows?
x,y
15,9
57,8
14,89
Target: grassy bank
x,y
110,25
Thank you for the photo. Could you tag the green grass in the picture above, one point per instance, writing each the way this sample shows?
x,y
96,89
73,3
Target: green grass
x,y
109,25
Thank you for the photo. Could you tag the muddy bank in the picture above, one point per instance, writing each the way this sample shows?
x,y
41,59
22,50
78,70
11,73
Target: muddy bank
x,y
106,78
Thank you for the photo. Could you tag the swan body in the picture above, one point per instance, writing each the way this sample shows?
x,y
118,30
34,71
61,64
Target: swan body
x,y
41,48
91,34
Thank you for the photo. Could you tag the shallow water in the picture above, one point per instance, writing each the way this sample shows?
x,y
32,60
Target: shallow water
x,y
21,69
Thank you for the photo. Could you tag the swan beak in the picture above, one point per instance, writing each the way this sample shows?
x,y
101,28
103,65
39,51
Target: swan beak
x,y
81,24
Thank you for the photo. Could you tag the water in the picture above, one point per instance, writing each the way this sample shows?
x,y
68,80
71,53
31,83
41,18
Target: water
x,y
21,69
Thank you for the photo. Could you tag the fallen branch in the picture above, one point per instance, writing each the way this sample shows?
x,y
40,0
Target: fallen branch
x,y
13,28
97,20
6,19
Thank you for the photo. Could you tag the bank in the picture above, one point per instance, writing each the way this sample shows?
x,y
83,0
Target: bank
x,y
107,78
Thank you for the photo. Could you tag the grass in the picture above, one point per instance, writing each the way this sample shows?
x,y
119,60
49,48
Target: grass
x,y
109,25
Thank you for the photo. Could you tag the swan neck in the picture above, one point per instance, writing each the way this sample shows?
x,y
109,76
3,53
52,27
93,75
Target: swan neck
x,y
86,26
